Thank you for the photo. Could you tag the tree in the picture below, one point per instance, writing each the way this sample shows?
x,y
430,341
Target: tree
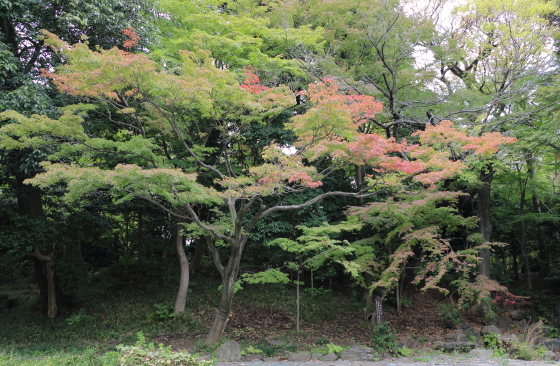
x,y
478,63
22,54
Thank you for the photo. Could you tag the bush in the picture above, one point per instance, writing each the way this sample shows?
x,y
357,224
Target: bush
x,y
150,355
384,339
162,313
450,316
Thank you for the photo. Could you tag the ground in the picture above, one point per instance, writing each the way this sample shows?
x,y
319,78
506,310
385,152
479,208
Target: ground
x,y
251,324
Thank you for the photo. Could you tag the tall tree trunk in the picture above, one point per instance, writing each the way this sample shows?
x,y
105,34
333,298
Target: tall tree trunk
x,y
537,209
297,293
522,237
484,218
181,299
140,237
198,253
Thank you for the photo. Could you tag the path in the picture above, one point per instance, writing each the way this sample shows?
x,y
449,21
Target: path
x,y
440,360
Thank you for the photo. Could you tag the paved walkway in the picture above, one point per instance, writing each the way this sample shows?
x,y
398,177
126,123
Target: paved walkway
x,y
439,360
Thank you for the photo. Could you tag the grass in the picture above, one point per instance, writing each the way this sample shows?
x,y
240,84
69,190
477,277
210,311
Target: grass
x,y
102,322
113,309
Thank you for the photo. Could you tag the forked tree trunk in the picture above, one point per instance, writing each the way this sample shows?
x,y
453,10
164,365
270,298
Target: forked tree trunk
x,y
484,219
229,275
52,299
181,299
51,295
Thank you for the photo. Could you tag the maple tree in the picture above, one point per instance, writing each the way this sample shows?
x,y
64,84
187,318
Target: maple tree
x,y
478,62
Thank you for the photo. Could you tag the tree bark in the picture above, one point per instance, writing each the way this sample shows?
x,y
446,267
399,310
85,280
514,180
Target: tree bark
x,y
522,237
543,257
30,205
181,299
140,237
484,218
198,253
51,296
229,277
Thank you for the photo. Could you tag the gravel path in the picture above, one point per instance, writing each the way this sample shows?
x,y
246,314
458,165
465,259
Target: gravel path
x,y
440,360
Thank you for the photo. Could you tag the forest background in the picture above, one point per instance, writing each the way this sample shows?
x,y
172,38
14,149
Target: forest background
x,y
377,148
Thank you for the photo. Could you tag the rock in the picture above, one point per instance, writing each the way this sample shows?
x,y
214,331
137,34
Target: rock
x,y
450,337
357,353
549,355
552,344
329,357
299,357
253,357
229,352
437,345
481,353
460,336
316,356
205,358
490,329
520,323
508,342
412,342
466,325
463,346
503,323
472,332
509,338
271,359
517,315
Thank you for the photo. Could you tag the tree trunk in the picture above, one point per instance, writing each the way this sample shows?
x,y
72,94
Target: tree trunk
x,y
297,294
223,312
537,209
522,237
198,253
140,237
229,277
181,299
360,174
30,205
484,218
51,296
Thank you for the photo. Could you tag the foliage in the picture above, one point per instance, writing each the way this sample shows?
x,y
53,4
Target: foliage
x,y
143,353
405,352
162,312
332,348
491,340
383,338
529,352
449,314
80,317
251,350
